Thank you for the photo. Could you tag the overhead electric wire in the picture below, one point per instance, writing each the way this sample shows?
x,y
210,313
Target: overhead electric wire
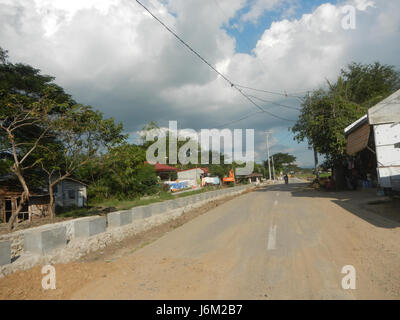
x,y
275,103
267,91
241,119
210,65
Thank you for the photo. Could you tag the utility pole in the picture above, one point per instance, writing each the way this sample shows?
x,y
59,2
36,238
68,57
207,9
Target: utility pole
x,y
316,163
269,164
273,167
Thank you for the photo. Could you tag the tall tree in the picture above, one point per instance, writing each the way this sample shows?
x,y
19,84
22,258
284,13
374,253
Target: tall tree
x,y
27,101
324,116
80,134
42,126
368,84
282,161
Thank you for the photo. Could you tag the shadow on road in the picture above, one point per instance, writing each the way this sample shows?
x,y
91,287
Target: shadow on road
x,y
364,204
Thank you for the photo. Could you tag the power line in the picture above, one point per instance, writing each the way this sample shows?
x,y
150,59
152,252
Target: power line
x,y
209,64
271,92
241,119
275,103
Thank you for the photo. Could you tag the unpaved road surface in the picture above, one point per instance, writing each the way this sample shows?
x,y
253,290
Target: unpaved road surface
x,y
280,242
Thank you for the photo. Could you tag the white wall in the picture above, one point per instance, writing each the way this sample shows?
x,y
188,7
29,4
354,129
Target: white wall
x,y
388,156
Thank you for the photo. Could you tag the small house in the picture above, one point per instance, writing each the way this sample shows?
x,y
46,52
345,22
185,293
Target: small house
x,y
193,175
70,193
10,197
373,142
67,193
165,172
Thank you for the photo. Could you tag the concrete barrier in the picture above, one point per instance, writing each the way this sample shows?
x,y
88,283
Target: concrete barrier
x,y
5,252
44,240
142,212
174,204
192,199
182,202
159,208
119,218
89,227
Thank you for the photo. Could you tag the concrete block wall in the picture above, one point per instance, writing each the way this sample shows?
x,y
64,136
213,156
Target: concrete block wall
x,y
5,252
141,212
119,218
89,227
43,241
49,240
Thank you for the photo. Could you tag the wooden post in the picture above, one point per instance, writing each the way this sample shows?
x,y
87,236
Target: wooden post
x,y
30,212
14,207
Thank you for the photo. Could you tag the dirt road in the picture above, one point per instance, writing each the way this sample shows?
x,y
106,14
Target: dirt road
x,y
283,242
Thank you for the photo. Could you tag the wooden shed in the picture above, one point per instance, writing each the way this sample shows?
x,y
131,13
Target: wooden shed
x,y
10,196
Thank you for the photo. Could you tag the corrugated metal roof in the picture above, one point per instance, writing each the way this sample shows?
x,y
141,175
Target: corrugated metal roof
x,y
386,111
356,125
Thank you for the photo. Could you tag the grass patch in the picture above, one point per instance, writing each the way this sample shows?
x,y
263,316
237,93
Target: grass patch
x,y
110,205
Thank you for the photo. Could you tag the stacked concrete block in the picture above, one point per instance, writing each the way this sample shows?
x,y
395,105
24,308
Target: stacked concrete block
x,y
5,252
173,204
160,208
142,212
192,199
44,240
89,227
182,202
119,218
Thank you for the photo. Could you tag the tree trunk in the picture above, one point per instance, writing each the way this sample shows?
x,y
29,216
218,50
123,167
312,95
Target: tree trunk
x,y
316,164
15,214
51,203
340,180
24,198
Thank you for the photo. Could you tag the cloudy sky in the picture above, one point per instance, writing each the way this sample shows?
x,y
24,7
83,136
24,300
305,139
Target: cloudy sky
x,y
115,56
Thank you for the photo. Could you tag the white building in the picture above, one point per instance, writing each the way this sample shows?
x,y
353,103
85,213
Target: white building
x,y
70,193
382,126
192,175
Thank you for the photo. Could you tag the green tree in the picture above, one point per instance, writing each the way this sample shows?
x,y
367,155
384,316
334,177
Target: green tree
x,y
27,101
42,127
324,117
80,133
368,84
282,161
125,173
3,56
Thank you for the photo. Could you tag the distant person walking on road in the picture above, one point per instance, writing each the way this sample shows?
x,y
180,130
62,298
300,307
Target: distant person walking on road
x,y
286,178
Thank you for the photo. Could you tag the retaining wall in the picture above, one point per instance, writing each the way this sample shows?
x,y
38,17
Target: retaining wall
x,y
70,240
